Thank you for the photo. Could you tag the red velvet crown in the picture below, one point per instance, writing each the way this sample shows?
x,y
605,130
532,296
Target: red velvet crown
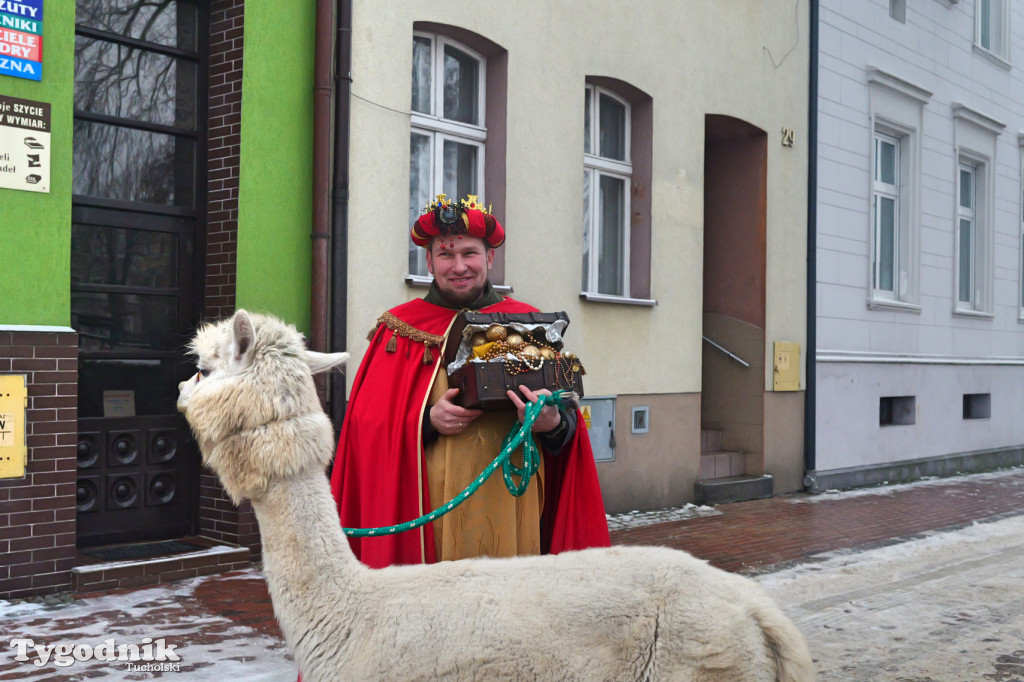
x,y
450,219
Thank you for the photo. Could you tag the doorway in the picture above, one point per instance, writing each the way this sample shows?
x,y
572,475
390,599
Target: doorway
x,y
138,217
733,370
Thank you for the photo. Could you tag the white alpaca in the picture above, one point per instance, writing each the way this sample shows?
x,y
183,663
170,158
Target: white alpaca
x,y
600,614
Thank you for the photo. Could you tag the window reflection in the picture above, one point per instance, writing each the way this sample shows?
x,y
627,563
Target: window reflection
x,y
107,321
123,81
113,162
148,379
107,255
165,22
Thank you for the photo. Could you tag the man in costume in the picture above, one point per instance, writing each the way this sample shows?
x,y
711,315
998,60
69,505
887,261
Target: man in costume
x,y
407,447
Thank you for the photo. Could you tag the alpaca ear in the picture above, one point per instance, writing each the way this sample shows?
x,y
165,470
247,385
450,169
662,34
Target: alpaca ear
x,y
242,335
321,362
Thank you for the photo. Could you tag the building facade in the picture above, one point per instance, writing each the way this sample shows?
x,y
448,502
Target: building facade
x,y
651,172
920,351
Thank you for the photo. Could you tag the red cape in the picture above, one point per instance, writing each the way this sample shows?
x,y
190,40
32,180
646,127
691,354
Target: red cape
x,y
379,474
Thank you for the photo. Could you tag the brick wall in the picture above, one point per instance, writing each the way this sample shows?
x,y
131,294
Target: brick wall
x,y
37,512
219,519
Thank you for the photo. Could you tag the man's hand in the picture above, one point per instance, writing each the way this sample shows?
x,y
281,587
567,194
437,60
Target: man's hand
x,y
547,420
450,419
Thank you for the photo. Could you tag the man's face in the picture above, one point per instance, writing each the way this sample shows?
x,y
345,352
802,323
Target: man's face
x,y
460,269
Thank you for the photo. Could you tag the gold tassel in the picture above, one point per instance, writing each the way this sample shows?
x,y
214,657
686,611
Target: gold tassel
x,y
427,357
393,343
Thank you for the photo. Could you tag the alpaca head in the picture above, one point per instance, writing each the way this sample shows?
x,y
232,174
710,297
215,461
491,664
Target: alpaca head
x,y
253,405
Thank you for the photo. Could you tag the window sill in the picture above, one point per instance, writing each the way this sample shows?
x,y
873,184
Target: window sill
x,y
992,57
961,312
625,300
894,305
423,282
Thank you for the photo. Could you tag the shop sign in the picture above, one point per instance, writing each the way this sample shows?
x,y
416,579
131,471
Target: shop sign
x,y
21,38
24,144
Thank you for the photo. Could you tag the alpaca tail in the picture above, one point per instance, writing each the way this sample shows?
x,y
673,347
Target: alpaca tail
x,y
787,645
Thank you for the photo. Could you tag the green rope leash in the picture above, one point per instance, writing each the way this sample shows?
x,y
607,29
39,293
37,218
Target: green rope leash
x,y
519,435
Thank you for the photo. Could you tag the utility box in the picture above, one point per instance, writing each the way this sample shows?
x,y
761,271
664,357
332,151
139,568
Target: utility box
x,y
599,419
13,408
786,364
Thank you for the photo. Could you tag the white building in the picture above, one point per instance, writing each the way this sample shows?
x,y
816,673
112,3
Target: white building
x,y
919,360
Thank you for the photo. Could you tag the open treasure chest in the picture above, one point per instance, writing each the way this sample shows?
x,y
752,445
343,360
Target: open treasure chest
x,y
488,353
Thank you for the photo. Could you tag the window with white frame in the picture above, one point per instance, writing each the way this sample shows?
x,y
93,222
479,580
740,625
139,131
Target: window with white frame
x,y
1020,216
607,175
448,131
976,136
897,110
886,220
992,27
966,236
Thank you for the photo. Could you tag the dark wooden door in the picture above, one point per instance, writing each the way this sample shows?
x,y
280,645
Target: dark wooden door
x,y
137,228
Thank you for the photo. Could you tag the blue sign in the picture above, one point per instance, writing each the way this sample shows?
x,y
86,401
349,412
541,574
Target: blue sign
x,y
29,9
21,68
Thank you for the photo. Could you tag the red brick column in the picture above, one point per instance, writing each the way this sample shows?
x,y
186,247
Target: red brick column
x,y
219,519
37,512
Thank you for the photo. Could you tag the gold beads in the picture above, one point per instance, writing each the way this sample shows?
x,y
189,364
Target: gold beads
x,y
496,333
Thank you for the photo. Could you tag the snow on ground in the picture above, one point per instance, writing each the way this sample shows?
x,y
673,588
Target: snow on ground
x,y
888,489
636,519
211,647
948,606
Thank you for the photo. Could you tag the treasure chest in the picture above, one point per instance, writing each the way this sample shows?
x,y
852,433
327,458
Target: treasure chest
x,y
488,353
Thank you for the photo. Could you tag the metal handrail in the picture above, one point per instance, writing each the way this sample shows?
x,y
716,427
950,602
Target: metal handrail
x,y
727,352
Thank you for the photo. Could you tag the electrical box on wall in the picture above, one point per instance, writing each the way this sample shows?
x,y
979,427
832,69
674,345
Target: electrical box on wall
x,y
13,407
599,418
786,363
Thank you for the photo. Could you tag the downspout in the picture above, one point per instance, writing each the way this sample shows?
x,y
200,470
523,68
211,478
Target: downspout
x,y
322,62
810,395
339,208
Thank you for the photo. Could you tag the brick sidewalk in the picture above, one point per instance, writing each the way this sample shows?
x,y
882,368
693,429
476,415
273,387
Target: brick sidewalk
x,y
749,537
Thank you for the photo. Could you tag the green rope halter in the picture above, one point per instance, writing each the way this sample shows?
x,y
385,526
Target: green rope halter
x,y
519,435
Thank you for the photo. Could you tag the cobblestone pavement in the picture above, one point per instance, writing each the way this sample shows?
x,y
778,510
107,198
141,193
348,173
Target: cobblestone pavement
x,y
223,626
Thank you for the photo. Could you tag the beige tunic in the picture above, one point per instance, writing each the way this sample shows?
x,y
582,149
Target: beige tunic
x,y
491,522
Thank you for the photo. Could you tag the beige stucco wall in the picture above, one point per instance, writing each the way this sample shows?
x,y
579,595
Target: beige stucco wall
x,y
746,59
743,58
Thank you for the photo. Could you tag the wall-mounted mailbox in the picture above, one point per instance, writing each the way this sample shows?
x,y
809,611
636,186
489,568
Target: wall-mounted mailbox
x,y
13,407
787,366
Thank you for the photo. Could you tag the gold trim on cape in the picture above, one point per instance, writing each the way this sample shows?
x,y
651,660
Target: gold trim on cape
x,y
402,328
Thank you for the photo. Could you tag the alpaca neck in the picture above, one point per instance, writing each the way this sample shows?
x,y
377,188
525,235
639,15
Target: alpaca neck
x,y
307,561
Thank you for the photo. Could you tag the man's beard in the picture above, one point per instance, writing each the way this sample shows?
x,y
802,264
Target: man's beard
x,y
462,300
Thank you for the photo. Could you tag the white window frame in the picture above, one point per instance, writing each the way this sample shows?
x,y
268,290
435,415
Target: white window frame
x,y
880,190
603,166
897,112
999,30
971,215
977,137
439,129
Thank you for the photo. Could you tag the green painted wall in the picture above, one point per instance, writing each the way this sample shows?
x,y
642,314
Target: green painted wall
x,y
35,227
275,178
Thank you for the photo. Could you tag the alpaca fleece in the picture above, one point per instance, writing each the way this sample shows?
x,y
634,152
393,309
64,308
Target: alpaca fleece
x,y
637,613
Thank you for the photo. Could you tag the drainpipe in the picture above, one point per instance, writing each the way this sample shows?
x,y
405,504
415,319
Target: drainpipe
x,y
810,395
339,208
321,181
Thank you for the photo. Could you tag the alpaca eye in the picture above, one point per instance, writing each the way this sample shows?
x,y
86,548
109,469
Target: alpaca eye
x,y
205,372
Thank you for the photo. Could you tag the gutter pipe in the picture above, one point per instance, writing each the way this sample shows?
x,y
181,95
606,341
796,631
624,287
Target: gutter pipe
x,y
322,59
810,394
339,206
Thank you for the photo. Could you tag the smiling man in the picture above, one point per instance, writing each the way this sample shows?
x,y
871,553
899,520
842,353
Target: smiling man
x,y
407,447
